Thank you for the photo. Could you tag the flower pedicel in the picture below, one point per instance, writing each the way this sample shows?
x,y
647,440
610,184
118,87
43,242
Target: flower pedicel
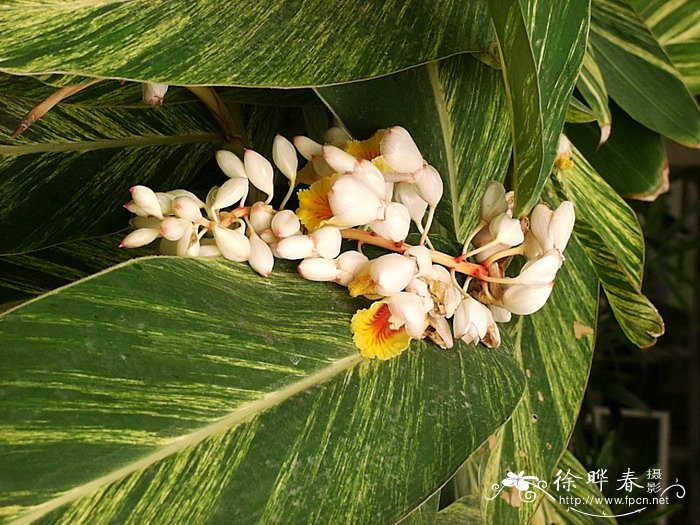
x,y
370,192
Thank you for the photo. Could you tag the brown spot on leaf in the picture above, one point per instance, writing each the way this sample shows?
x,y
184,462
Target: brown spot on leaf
x,y
581,329
528,373
522,453
540,397
492,441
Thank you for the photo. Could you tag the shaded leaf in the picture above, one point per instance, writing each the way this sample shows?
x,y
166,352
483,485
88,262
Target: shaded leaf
x,y
456,112
191,391
555,348
639,75
612,238
591,85
465,511
426,514
264,44
541,45
632,161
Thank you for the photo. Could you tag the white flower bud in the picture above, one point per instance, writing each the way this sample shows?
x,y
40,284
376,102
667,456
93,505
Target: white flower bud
x,y
531,248
470,321
260,216
492,339
443,331
145,222
353,203
173,228
133,208
184,193
261,259
421,255
318,269
146,199
140,237
336,136
307,147
230,192
506,230
209,250
524,300
407,311
165,201
484,237
268,236
187,209
562,224
405,193
260,172
153,94
493,202
285,157
348,263
327,242
230,164
429,185
296,247
186,246
541,270
563,159
233,245
400,151
339,160
540,217
396,223
285,224
391,273
500,315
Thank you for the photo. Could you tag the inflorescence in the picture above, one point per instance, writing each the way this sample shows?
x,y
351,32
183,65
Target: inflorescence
x,y
370,192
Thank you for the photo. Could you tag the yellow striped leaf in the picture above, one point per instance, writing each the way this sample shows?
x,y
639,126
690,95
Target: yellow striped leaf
x,y
456,112
555,348
277,43
639,75
612,238
541,44
591,85
194,391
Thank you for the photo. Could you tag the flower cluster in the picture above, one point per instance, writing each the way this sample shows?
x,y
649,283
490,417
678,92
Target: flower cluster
x,y
370,192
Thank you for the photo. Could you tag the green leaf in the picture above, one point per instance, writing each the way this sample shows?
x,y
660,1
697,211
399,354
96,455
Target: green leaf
x,y
591,511
591,85
465,511
639,75
632,161
264,44
578,112
541,45
173,390
426,514
68,176
675,25
612,238
456,112
555,348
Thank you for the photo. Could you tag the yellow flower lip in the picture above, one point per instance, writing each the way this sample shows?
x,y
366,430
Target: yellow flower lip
x,y
373,335
314,209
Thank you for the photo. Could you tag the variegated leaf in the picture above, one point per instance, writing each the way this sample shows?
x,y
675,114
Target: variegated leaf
x,y
67,176
465,511
612,238
632,161
591,85
639,75
555,348
189,391
456,112
277,43
542,44
676,24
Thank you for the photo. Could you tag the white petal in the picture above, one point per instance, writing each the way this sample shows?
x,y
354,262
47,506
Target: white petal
x,y
524,300
562,224
492,339
259,171
396,223
230,192
348,263
405,193
307,147
269,237
153,94
392,273
400,151
233,245
429,185
318,269
146,199
540,219
353,203
493,202
285,224
187,208
184,193
506,230
166,202
296,247
541,270
140,237
209,250
133,208
407,310
421,255
442,328
339,160
500,315
261,259
327,241
285,157
230,164
260,216
470,320
187,246
372,177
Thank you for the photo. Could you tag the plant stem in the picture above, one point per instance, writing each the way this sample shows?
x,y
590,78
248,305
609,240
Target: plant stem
x,y
230,122
518,250
471,236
